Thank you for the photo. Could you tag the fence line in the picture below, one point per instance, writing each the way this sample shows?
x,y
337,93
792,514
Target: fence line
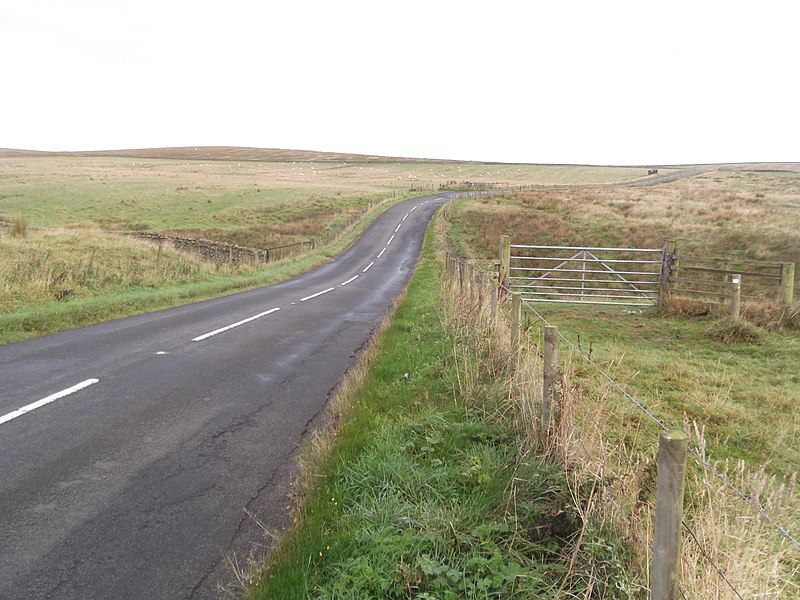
x,y
481,277
782,530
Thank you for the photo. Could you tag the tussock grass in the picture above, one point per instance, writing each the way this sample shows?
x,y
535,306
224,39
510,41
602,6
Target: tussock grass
x,y
734,332
56,265
19,226
764,315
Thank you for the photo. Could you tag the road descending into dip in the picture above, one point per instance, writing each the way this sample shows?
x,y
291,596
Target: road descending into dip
x,y
132,452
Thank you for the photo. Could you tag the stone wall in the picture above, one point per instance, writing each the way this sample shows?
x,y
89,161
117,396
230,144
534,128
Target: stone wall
x,y
220,251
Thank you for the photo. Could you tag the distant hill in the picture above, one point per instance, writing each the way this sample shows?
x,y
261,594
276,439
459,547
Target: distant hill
x,y
228,153
236,153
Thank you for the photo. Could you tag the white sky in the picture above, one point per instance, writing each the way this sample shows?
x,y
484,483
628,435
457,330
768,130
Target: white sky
x,y
625,82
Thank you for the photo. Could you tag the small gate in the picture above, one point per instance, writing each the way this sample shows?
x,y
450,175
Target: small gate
x,y
586,275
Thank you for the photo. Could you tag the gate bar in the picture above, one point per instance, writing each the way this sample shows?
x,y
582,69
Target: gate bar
x,y
637,297
542,269
588,289
580,248
647,305
603,260
588,280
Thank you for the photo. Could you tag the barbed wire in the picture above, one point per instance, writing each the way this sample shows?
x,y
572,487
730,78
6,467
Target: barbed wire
x,y
632,466
781,529
605,375
649,489
710,560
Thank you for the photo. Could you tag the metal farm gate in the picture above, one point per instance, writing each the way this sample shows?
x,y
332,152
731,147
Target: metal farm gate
x,y
586,275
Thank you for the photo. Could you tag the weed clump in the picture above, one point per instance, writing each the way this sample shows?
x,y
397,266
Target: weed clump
x,y
19,226
773,317
735,332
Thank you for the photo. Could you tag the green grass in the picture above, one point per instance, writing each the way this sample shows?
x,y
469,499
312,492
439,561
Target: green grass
x,y
754,216
108,278
160,194
743,392
739,383
413,499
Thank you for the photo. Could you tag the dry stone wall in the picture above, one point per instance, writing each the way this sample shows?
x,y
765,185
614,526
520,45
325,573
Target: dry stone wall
x,y
221,252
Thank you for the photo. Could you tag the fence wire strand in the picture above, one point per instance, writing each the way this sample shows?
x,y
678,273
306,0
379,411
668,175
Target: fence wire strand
x,y
782,530
710,560
632,467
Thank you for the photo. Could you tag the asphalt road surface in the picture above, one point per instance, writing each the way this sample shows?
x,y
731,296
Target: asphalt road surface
x,y
133,452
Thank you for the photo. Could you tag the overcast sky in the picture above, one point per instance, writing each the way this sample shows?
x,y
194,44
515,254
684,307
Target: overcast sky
x,y
555,82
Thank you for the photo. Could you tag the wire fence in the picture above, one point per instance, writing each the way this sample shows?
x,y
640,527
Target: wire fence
x,y
473,280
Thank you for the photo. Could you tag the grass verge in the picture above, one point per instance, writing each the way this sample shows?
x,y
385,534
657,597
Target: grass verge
x,y
136,292
425,490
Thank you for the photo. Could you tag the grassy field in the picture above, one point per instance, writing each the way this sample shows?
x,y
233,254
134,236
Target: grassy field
x,y
753,215
246,196
264,203
734,387
743,393
59,279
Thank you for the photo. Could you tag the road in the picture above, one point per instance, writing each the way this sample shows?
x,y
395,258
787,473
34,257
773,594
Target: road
x,y
132,452
663,178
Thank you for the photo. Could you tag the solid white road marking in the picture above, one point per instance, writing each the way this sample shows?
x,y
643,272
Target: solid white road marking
x,y
51,398
368,266
317,294
349,280
382,251
390,240
200,338
408,213
160,352
397,228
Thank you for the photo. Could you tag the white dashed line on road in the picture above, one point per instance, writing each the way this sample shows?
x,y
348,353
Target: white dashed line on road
x,y
368,266
317,294
390,240
413,209
348,281
51,398
397,228
382,251
200,338
408,213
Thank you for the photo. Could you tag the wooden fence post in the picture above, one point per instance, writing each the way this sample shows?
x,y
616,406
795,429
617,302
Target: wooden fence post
x,y
669,514
736,296
550,374
476,277
505,262
787,283
667,260
516,310
493,298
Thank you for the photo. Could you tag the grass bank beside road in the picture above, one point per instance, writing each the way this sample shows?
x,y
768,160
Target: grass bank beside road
x,y
428,490
54,280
